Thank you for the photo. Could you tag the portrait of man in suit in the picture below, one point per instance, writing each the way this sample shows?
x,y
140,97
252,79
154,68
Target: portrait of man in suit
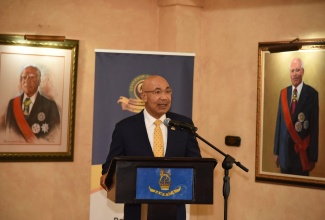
x,y
144,134
297,125
31,117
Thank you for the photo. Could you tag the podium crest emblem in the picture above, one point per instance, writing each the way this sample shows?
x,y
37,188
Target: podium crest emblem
x,y
165,179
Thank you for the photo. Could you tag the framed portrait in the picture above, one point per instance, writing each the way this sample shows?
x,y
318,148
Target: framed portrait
x,y
290,113
38,92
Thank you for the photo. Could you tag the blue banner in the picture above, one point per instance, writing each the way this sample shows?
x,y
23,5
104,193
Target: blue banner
x,y
118,79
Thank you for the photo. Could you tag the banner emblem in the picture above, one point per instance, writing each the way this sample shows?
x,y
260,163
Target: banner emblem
x,y
134,103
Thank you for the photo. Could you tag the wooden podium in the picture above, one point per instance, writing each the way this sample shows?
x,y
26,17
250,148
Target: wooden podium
x,y
160,180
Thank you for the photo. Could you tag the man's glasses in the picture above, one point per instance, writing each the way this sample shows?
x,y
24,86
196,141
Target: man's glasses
x,y
29,76
159,92
295,70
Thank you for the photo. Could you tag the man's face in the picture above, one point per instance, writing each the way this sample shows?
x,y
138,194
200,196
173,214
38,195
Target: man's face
x,y
296,73
30,80
156,103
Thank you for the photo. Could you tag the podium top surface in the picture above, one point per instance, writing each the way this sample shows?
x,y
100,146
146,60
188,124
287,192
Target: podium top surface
x,y
164,159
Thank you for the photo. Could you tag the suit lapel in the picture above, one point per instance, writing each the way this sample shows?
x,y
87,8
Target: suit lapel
x,y
289,95
171,137
36,106
142,135
171,141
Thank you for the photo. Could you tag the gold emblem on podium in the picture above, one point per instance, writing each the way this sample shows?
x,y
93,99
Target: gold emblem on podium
x,y
165,180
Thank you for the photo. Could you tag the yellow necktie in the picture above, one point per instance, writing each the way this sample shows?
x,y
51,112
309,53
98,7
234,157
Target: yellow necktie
x,y
294,101
158,143
27,102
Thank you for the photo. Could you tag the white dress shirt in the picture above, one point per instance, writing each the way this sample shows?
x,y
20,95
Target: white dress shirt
x,y
299,88
32,98
150,126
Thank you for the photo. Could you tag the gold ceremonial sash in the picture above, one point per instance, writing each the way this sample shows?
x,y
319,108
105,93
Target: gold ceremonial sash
x,y
22,123
300,145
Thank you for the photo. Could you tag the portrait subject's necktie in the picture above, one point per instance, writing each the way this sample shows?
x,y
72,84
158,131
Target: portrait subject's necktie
x,y
27,102
158,143
294,101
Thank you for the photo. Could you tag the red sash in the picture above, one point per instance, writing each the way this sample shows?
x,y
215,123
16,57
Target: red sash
x,y
300,145
22,123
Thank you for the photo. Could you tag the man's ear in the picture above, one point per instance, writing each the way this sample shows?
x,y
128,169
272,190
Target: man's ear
x,y
144,97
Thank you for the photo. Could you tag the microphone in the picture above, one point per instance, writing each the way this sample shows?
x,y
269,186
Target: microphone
x,y
182,125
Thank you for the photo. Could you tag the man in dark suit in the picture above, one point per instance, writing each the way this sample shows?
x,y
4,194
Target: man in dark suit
x,y
133,136
32,115
296,134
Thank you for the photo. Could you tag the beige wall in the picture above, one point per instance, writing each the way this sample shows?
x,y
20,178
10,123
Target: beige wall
x,y
224,35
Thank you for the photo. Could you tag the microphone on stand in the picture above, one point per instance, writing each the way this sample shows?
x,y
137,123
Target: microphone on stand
x,y
181,125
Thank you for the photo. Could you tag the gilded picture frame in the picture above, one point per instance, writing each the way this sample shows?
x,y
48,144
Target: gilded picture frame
x,y
273,76
42,129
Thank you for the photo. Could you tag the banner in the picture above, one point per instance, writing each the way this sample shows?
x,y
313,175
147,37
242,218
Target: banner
x,y
118,83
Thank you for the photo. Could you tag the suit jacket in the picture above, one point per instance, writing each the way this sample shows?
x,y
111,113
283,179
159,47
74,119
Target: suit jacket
x,y
283,144
44,112
130,138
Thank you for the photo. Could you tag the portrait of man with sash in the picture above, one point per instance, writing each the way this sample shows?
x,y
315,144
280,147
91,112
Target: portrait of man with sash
x,y
31,117
297,125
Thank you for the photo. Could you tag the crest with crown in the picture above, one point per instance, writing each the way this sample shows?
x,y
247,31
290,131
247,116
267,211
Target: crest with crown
x,y
165,179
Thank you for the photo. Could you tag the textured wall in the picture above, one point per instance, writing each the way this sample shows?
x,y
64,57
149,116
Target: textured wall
x,y
61,191
226,99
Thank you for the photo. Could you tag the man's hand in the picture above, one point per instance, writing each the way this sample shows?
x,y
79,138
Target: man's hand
x,y
311,166
102,181
276,159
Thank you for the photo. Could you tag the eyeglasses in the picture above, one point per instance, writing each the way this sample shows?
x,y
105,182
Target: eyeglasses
x,y
159,92
296,70
29,76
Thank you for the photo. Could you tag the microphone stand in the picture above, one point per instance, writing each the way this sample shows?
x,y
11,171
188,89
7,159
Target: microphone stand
x,y
226,165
